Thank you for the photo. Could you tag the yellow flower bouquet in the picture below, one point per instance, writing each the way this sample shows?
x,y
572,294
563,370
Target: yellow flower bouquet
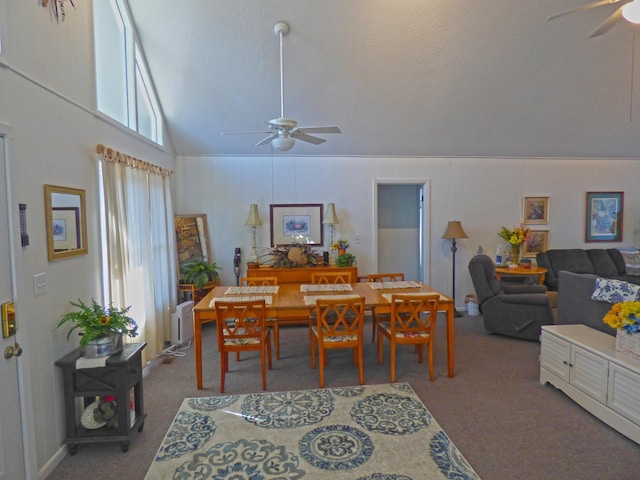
x,y
515,238
624,316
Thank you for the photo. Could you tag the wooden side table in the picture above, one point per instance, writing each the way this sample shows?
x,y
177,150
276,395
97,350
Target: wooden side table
x,y
121,378
522,272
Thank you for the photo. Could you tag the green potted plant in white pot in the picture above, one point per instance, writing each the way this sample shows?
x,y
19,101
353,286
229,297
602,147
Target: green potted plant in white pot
x,y
100,328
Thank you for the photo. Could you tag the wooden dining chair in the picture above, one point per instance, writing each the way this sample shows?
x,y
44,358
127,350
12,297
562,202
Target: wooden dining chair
x,y
270,321
381,277
412,322
241,327
331,277
337,324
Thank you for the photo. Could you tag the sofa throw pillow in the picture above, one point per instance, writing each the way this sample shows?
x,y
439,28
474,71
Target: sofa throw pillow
x,y
631,262
614,291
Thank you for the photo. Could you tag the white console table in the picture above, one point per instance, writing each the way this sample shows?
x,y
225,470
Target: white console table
x,y
583,363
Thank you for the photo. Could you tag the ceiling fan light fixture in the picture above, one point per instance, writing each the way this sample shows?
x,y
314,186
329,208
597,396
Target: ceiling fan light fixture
x,y
631,11
283,143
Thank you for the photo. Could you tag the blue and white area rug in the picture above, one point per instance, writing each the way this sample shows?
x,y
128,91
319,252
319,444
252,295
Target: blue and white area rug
x,y
377,432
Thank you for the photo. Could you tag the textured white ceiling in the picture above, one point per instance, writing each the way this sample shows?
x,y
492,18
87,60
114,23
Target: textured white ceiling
x,y
404,77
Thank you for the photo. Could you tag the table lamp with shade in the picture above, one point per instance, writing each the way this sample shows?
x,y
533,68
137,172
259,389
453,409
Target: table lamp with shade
x,y
331,219
253,221
454,230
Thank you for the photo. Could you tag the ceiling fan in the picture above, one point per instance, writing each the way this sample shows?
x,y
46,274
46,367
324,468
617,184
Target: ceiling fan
x,y
283,132
629,10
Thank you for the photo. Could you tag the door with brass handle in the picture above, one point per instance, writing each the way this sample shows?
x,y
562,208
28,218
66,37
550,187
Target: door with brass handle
x,y
12,351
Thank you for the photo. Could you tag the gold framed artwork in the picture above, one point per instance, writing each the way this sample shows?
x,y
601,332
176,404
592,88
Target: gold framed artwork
x,y
535,210
66,222
536,243
296,223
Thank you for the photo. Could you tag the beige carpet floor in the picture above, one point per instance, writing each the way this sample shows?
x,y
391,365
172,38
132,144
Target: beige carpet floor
x,y
507,425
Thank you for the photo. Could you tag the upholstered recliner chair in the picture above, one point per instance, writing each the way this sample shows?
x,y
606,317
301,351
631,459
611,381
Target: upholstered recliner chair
x,y
511,309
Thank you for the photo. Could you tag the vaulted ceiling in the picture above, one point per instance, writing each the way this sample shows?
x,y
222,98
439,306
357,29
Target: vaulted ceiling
x,y
404,77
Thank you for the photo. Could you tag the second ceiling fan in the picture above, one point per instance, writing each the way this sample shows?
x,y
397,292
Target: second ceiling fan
x,y
283,132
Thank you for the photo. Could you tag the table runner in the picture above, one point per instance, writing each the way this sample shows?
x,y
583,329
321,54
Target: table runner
x,y
324,287
389,285
252,289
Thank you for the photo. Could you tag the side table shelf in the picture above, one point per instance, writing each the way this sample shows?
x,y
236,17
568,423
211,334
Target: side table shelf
x,y
121,377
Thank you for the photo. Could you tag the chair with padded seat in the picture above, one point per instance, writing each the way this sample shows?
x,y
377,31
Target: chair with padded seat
x,y
412,322
241,327
337,323
381,277
270,321
331,277
514,310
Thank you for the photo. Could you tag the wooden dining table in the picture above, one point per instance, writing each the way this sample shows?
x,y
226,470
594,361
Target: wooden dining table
x,y
290,298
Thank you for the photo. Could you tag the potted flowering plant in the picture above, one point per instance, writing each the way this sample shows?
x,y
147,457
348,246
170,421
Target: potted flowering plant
x,y
515,238
625,318
341,245
101,328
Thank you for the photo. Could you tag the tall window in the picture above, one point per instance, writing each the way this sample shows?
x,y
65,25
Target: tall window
x,y
124,89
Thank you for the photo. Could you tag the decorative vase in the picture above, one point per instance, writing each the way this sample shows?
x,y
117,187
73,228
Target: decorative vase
x,y
515,250
342,251
628,344
103,346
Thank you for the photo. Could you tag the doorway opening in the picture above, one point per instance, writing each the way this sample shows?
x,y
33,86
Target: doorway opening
x,y
402,221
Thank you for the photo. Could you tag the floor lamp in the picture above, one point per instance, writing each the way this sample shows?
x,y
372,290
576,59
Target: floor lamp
x,y
454,230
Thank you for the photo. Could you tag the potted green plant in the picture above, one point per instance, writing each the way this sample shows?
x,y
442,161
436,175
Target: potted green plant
x,y
199,273
345,260
101,328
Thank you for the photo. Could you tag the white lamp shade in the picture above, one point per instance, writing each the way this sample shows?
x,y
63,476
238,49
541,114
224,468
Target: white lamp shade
x,y
283,143
631,12
254,218
330,217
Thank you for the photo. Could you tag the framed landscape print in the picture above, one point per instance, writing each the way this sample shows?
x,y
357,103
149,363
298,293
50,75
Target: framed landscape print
x,y
296,223
535,210
604,216
536,243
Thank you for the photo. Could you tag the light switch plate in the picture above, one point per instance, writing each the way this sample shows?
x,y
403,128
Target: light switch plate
x,y
39,284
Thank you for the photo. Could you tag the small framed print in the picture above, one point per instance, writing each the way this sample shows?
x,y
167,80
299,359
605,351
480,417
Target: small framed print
x,y
604,217
535,210
536,243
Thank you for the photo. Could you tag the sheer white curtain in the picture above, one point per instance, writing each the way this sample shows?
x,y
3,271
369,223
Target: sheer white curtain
x,y
139,245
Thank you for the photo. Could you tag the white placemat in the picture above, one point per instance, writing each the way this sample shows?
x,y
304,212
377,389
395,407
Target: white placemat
x,y
244,298
311,299
252,289
324,287
390,285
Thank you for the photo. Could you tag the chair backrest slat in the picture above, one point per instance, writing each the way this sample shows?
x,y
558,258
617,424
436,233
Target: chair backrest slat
x,y
340,317
258,281
414,313
385,277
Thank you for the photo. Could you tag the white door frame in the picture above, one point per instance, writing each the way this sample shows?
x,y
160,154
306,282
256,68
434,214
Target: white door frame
x,y
24,389
426,215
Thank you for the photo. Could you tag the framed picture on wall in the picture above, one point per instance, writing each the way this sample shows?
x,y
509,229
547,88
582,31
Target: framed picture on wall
x,y
296,223
603,221
535,210
65,224
536,243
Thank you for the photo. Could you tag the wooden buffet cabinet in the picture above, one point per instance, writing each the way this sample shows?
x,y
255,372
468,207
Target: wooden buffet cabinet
x,y
297,275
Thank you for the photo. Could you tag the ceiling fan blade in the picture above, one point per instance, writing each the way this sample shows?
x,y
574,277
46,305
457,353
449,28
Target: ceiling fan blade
x,y
298,135
583,7
608,23
319,130
245,133
267,139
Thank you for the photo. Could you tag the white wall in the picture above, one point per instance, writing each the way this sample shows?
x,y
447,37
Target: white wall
x,y
483,193
46,96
